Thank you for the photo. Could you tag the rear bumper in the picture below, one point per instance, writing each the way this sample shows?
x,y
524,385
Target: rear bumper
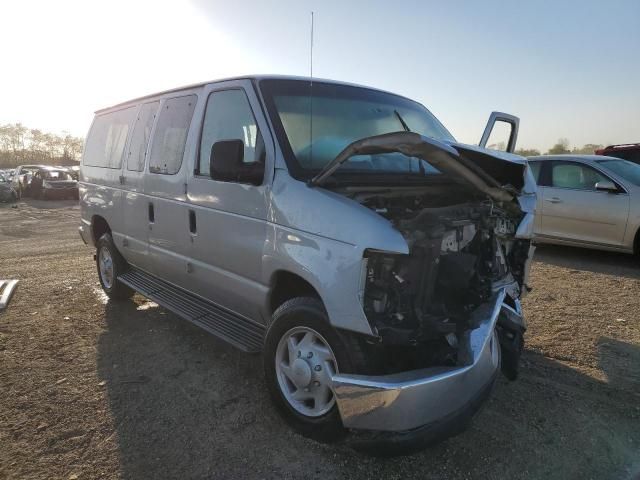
x,y
419,401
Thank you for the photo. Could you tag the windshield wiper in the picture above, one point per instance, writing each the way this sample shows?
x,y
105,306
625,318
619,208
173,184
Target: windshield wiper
x,y
407,129
402,122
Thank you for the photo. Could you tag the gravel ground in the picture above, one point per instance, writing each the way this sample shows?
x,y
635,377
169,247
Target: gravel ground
x,y
90,389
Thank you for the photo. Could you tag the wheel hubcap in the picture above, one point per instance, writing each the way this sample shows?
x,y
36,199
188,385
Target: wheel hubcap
x,y
304,367
105,263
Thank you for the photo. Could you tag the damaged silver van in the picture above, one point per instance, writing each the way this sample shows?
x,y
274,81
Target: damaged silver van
x,y
341,231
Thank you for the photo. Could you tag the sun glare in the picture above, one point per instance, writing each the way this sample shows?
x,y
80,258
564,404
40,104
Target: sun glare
x,y
96,54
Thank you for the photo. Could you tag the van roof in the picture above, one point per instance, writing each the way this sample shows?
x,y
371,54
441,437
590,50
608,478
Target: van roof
x,y
244,77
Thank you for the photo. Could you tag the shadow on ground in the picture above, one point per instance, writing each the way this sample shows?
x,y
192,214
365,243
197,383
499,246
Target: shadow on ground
x,y
186,405
45,204
597,261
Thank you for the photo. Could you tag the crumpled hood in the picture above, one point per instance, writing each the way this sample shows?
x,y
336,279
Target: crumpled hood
x,y
500,175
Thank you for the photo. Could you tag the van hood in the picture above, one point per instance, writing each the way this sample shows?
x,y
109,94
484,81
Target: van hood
x,y
499,175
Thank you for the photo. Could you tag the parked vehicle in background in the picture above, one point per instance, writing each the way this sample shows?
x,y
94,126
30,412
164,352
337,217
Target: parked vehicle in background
x,y
53,182
7,193
22,179
628,151
375,262
588,201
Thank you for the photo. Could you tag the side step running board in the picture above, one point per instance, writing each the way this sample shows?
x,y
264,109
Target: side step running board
x,y
239,331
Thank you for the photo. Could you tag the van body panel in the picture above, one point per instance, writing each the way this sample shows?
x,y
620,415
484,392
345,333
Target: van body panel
x,y
166,208
340,283
134,203
336,217
230,218
327,249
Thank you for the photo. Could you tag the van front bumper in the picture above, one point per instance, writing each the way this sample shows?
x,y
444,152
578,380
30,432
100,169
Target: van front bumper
x,y
422,402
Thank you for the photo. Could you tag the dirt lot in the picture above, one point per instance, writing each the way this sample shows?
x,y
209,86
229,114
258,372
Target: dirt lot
x,y
89,389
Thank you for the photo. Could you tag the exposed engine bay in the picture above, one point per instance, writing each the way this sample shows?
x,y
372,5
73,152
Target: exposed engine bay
x,y
462,241
421,304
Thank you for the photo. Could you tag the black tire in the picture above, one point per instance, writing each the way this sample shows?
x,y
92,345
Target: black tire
x,y
305,312
117,290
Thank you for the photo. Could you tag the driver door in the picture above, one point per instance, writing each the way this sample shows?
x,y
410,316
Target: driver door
x,y
227,220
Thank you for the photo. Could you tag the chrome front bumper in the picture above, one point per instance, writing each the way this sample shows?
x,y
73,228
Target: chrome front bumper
x,y
405,401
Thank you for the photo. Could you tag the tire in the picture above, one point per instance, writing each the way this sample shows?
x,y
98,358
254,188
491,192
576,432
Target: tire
x,y
113,265
304,313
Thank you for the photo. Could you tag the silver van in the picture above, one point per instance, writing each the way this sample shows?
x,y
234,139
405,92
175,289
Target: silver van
x,y
339,230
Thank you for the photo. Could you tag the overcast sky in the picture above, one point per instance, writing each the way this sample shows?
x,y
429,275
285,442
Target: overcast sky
x,y
566,68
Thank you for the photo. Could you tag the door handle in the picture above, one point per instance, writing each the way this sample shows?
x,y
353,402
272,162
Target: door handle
x,y
553,200
193,227
152,213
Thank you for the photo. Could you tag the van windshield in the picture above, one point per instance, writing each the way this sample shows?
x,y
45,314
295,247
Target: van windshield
x,y
315,123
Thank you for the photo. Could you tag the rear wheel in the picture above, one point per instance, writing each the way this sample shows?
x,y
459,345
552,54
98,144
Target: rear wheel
x,y
302,352
110,266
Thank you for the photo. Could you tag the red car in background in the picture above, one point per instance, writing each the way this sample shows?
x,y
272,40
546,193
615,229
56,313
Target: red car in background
x,y
628,151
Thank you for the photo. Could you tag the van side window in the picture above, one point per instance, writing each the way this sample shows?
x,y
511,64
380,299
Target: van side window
x,y
140,136
167,148
107,138
229,117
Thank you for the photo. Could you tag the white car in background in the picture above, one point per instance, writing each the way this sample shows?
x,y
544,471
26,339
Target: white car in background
x,y
587,201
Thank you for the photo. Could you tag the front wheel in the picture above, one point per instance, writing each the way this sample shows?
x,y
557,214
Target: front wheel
x,y
110,266
302,352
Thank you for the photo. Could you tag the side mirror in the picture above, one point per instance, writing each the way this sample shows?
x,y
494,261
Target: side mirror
x,y
606,186
512,121
226,164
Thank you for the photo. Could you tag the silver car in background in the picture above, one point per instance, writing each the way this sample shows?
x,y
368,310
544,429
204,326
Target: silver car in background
x,y
587,201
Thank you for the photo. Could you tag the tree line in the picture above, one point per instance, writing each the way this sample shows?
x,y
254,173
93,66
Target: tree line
x,y
21,145
561,147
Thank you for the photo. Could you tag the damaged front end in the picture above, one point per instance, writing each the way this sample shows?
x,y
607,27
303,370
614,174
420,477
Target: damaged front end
x,y
467,242
421,304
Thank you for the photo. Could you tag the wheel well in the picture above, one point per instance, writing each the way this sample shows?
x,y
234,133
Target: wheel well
x,y
287,285
636,243
99,227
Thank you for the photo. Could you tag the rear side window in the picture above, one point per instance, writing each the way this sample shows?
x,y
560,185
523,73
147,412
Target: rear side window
x,y
107,138
140,136
229,117
170,136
